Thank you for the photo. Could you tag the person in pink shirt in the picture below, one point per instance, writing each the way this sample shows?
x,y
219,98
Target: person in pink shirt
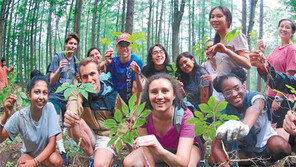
x,y
283,59
160,139
3,74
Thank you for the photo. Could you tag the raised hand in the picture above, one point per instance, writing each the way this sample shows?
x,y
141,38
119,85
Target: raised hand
x,y
70,119
9,103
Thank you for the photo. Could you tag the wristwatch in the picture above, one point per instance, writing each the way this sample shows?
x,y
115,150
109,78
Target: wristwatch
x,y
278,99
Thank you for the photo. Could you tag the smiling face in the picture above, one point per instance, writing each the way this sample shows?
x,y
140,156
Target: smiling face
x,y
96,54
71,45
39,95
161,95
218,20
158,56
89,74
234,91
186,64
285,30
124,51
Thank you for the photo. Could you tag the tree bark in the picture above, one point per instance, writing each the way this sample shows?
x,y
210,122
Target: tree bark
x,y
130,16
2,20
250,29
123,15
258,85
149,24
177,17
244,16
160,22
69,19
94,19
48,40
78,22
193,27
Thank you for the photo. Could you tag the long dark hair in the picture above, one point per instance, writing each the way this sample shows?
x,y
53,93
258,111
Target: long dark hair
x,y
184,77
178,102
150,63
228,16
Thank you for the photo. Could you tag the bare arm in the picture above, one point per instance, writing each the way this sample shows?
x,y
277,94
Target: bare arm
x,y
253,112
8,110
54,76
182,157
48,150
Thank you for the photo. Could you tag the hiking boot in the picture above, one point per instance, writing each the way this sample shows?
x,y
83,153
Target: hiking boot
x,y
65,158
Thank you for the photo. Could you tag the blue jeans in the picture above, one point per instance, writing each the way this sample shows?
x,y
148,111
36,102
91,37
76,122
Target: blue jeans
x,y
59,106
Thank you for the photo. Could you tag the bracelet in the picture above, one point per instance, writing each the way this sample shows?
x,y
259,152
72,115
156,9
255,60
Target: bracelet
x,y
37,161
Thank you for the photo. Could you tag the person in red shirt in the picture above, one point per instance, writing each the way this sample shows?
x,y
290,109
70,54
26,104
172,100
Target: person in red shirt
x,y
3,74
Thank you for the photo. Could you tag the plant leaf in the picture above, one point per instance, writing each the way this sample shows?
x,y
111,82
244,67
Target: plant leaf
x,y
118,145
125,109
132,100
109,123
222,105
139,122
89,88
199,115
192,121
68,92
204,108
118,115
145,113
84,93
112,141
212,103
113,131
141,108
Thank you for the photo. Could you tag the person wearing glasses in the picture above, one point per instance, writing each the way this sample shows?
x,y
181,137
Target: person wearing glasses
x,y
125,69
157,61
252,132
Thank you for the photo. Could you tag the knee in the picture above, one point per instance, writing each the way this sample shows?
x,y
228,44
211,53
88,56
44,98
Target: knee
x,y
127,161
55,159
102,163
278,144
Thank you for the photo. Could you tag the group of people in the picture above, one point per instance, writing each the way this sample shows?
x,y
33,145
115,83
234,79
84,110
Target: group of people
x,y
166,136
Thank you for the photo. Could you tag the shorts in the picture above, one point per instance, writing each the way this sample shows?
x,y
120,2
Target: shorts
x,y
101,142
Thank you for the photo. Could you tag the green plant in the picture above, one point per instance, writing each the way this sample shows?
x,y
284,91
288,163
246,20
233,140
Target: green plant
x,y
210,110
172,70
125,123
231,35
135,38
199,48
9,164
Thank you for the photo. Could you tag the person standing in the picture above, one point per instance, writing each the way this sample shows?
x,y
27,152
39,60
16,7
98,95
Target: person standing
x,y
3,74
63,69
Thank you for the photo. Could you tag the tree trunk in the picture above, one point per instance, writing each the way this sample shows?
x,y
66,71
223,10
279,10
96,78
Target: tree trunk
x,y
32,36
94,18
56,35
130,16
123,15
48,40
244,16
160,22
86,32
260,37
250,29
69,19
40,35
78,22
8,53
2,20
192,27
177,17
149,24
156,21
5,35
117,17
99,23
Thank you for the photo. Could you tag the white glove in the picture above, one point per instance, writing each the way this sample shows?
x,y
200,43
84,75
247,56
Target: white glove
x,y
234,130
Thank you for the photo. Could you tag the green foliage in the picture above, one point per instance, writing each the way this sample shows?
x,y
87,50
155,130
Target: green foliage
x,y
200,47
9,164
231,35
172,70
125,123
286,97
210,110
12,88
68,89
106,41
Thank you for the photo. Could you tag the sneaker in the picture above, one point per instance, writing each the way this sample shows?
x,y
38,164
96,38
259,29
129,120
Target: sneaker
x,y
65,158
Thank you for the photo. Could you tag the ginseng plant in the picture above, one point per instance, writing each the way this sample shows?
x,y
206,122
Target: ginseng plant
x,y
125,123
